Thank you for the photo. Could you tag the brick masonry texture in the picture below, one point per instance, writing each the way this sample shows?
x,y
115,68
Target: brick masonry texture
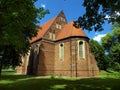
x,y
44,60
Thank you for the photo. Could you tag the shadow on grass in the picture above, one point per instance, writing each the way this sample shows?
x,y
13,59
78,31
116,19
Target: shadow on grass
x,y
20,82
11,75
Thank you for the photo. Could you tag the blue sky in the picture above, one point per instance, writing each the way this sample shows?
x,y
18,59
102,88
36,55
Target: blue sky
x,y
72,9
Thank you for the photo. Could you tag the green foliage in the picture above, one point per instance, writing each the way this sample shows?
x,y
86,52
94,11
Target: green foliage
x,y
42,12
109,74
100,56
115,52
97,12
52,76
111,44
116,66
107,41
18,24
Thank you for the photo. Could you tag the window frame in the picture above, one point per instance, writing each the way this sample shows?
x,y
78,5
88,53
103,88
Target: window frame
x,y
61,52
51,36
83,50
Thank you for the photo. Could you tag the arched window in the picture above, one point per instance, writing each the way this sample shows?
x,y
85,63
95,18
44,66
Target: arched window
x,y
81,49
61,51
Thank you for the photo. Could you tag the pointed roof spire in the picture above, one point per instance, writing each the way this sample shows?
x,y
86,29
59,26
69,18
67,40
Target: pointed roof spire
x,y
61,12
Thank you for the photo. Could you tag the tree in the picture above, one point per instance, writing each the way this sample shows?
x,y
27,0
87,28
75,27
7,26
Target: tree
x,y
111,43
100,56
18,24
97,12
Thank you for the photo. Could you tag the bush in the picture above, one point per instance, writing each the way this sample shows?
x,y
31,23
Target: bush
x,y
116,66
52,76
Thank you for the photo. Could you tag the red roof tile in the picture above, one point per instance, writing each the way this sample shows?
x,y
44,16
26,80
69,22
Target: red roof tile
x,y
43,30
70,30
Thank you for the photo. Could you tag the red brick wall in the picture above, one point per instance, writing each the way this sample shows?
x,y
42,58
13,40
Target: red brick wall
x,y
71,65
19,69
46,58
23,68
62,67
85,66
25,64
94,67
50,63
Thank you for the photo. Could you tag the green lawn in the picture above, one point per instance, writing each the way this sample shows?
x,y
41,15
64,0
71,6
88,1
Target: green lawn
x,y
106,81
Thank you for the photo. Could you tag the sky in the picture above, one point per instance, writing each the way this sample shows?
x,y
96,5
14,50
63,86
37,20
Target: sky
x,y
72,10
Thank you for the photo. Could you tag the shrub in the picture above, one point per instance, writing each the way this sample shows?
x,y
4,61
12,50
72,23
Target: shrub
x,y
52,76
116,66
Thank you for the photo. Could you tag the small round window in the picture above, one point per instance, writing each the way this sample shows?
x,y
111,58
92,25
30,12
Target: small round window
x,y
61,45
81,42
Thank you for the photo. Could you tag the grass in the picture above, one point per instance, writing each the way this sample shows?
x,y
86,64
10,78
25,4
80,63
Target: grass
x,y
110,74
106,81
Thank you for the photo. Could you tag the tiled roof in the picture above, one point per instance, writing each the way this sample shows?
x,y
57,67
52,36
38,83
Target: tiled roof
x,y
43,30
70,30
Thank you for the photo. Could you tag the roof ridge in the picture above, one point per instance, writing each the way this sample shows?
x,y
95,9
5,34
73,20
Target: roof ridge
x,y
51,24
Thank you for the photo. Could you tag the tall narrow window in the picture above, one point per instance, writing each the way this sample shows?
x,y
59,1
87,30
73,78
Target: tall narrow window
x,y
50,35
53,36
61,51
81,49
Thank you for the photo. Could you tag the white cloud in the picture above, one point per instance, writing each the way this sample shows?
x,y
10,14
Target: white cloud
x,y
107,17
43,5
118,13
98,37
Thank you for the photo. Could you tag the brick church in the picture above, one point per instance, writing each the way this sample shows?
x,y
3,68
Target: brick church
x,y
60,48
